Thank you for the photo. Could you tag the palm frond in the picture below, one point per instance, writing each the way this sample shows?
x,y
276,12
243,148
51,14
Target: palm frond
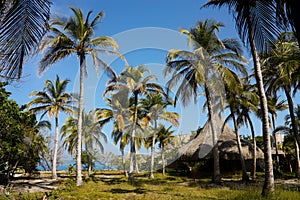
x,y
21,31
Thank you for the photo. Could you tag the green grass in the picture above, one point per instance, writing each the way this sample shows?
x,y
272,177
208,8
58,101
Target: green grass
x,y
162,187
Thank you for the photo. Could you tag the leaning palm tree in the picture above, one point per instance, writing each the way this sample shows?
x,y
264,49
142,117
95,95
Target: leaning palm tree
x,y
281,69
23,23
132,82
207,66
91,134
255,23
52,100
154,107
75,36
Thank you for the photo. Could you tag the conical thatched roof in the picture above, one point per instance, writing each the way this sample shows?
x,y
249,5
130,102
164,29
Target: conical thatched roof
x,y
201,146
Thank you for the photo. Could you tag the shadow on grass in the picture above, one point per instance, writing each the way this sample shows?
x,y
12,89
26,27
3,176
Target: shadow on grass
x,y
123,191
113,181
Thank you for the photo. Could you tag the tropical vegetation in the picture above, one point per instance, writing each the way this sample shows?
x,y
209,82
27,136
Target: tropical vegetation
x,y
140,114
52,100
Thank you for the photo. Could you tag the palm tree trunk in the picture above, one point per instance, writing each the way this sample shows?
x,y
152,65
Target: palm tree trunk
x,y
163,159
216,178
136,165
89,167
297,160
268,186
132,138
245,176
54,161
287,91
79,125
152,150
254,147
123,162
276,145
288,160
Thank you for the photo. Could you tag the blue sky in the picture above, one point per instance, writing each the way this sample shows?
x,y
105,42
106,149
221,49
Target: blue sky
x,y
145,31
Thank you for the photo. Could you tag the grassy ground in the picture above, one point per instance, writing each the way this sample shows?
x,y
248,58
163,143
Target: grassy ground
x,y
115,186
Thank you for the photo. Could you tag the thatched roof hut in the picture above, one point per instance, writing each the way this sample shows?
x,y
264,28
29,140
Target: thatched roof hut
x,y
201,146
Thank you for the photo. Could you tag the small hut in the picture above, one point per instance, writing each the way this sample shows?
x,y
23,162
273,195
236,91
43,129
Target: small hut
x,y
200,148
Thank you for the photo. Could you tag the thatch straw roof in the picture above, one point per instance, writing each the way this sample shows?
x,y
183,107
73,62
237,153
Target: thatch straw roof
x,y
201,146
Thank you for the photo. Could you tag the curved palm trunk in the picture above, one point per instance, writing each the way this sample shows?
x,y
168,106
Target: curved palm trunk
x,y
254,147
268,186
152,150
287,91
297,160
132,139
54,161
216,178
123,162
79,125
245,176
276,145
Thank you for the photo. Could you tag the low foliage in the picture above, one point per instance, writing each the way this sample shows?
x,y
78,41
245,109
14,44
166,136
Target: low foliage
x,y
20,141
162,187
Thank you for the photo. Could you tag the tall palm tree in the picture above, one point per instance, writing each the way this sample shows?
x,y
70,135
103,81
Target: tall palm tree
x,y
75,36
155,107
281,69
164,137
91,134
23,23
206,67
132,82
255,23
52,100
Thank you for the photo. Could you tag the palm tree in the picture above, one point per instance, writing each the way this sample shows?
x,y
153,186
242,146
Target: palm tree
x,y
275,105
131,82
288,119
164,137
75,36
254,21
119,114
281,69
52,100
248,103
290,139
234,100
154,107
205,67
91,134
22,26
